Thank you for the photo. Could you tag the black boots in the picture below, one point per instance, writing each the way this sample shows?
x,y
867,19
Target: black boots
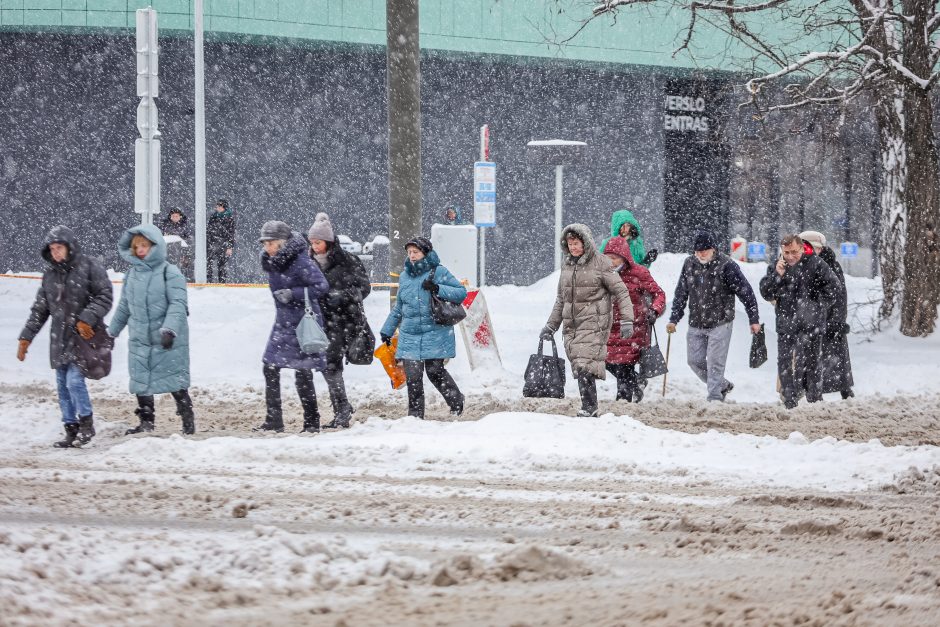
x,y
71,432
146,414
587,385
184,409
86,430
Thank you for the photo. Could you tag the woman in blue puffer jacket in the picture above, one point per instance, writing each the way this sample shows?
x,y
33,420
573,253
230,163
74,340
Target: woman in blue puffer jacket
x,y
422,343
293,278
153,307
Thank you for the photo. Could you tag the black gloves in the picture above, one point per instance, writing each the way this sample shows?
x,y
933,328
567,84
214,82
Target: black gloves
x,y
430,286
284,296
626,329
333,299
166,338
547,333
386,339
650,257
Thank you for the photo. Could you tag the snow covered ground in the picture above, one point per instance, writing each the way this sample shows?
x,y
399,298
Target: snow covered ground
x,y
394,512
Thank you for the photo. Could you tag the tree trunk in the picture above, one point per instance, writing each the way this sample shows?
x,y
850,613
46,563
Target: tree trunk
x,y
889,115
922,252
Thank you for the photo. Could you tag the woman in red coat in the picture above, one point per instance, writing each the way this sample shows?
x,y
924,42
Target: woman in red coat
x,y
649,301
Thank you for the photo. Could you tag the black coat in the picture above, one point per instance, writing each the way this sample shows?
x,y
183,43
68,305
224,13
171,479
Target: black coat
x,y
710,290
181,229
836,362
342,306
75,289
804,295
220,231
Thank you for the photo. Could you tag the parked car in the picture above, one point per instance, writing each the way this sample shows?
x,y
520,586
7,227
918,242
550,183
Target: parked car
x,y
347,244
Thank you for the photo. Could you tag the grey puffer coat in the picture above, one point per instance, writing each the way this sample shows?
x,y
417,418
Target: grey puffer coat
x,y
75,289
586,290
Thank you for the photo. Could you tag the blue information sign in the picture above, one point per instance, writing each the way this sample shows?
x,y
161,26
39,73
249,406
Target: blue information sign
x,y
756,251
849,249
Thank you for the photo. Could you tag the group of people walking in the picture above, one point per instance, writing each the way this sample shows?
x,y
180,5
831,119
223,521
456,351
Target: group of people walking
x,y
607,302
606,305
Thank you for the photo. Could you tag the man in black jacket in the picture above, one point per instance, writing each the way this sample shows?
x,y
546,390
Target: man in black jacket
x,y
804,290
709,282
76,293
220,240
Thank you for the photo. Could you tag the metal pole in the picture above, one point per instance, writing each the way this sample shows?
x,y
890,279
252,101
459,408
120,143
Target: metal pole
x,y
147,148
404,130
200,261
484,149
559,175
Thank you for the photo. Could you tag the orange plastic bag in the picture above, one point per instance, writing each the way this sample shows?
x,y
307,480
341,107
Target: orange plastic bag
x,y
386,355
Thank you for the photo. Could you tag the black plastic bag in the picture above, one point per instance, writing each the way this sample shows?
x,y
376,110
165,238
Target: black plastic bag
x,y
545,376
652,362
758,348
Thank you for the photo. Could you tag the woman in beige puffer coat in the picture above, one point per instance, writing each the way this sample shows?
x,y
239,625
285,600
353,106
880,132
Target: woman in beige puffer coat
x,y
587,284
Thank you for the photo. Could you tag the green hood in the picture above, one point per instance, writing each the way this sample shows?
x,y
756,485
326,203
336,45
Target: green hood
x,y
637,248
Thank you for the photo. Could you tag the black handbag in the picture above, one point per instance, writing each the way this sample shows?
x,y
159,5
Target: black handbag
x,y
652,362
445,312
361,348
545,376
93,357
758,348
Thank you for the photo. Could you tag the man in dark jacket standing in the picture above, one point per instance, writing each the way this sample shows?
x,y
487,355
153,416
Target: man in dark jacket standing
x,y
709,282
76,294
220,240
804,290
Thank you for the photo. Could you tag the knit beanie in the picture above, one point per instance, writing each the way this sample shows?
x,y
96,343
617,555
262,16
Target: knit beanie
x,y
421,243
703,240
274,229
321,229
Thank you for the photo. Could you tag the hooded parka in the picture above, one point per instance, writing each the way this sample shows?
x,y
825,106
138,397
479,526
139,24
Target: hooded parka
x,y
587,289
292,268
342,308
419,337
637,247
836,363
75,289
645,294
153,299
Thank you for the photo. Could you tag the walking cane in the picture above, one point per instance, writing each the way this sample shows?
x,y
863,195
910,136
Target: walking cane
x,y
666,375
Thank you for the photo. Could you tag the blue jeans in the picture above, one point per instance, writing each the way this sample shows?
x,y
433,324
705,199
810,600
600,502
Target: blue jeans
x,y
73,395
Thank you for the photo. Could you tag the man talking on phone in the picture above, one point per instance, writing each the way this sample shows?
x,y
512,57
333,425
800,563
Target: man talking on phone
x,y
709,282
804,290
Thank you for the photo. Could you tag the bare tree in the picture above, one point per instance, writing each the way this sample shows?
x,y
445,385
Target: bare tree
x,y
886,49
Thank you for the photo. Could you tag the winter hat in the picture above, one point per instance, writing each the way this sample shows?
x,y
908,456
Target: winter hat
x,y
321,229
703,240
421,243
815,238
274,229
222,203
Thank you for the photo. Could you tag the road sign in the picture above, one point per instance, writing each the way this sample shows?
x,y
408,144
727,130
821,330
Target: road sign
x,y
484,193
756,251
848,249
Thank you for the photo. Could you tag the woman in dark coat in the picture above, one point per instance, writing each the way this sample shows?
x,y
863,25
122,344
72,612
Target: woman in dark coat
x,y
292,276
76,294
178,251
649,301
342,309
836,362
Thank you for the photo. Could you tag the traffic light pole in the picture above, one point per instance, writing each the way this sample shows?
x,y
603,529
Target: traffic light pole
x,y
404,130
200,200
147,147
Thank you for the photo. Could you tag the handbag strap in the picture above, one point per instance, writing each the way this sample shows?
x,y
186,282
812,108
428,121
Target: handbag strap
x,y
655,337
554,347
308,308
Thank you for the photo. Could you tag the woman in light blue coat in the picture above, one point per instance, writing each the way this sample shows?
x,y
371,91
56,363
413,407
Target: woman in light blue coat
x,y
153,307
423,345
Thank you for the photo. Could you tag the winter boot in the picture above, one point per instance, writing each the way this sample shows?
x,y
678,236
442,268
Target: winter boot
x,y
341,417
587,412
184,409
456,410
146,414
847,394
71,432
725,391
86,430
637,393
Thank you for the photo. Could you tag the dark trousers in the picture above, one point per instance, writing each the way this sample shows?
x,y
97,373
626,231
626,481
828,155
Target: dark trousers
x,y
627,382
333,375
798,364
305,390
221,260
184,406
440,378
587,385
